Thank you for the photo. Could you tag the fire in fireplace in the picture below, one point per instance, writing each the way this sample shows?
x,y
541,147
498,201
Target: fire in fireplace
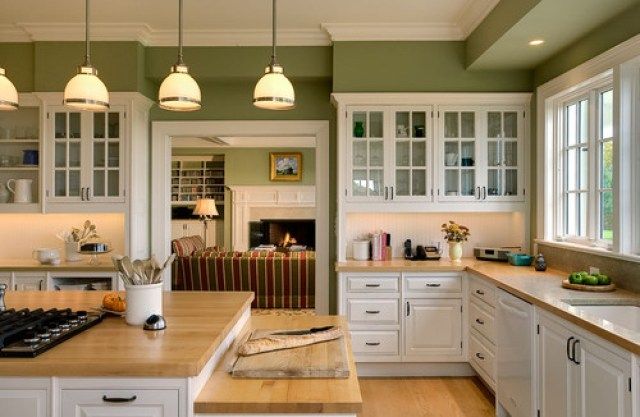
x,y
283,233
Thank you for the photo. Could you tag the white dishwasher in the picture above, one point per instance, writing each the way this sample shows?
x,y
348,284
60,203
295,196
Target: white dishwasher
x,y
514,347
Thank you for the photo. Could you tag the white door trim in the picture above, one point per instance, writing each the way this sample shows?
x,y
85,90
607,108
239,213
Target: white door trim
x,y
163,131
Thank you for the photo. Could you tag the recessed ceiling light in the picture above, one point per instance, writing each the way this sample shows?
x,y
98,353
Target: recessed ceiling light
x,y
536,42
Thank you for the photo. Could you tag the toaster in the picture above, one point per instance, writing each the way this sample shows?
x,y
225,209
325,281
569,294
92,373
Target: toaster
x,y
494,253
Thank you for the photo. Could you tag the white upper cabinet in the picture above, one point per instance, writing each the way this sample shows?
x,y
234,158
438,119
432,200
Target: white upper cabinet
x,y
389,154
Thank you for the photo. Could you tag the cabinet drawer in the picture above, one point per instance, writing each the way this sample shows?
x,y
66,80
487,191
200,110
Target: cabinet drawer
x,y
433,284
483,320
381,311
134,402
373,284
375,342
483,291
23,403
481,355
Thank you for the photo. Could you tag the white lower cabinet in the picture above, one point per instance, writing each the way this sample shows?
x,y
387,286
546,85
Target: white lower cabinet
x,y
26,281
433,327
120,403
23,403
580,374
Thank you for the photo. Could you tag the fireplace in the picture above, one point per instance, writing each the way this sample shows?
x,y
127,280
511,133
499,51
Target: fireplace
x,y
283,233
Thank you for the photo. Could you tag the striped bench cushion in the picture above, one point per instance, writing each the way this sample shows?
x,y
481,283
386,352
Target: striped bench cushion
x,y
185,246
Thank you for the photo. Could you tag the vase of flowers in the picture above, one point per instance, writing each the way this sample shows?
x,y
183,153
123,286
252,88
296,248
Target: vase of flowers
x,y
455,234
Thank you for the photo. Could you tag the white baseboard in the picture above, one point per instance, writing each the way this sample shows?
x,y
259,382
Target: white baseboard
x,y
395,369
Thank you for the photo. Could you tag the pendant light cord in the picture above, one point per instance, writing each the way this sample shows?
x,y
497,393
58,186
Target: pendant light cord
x,y
273,35
180,56
87,51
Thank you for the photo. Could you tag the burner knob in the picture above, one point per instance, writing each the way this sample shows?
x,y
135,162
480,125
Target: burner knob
x,y
44,334
55,330
31,339
65,325
82,315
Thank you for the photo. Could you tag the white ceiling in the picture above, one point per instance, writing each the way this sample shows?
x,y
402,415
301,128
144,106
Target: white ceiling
x,y
243,22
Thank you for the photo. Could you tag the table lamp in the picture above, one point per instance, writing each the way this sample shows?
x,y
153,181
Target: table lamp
x,y
206,209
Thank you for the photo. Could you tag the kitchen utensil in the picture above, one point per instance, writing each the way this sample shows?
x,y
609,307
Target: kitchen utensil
x,y
21,190
360,250
138,268
143,301
519,259
155,322
303,331
45,255
127,266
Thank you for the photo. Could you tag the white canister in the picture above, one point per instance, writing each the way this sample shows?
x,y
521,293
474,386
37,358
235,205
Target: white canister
x,y
143,301
360,250
71,252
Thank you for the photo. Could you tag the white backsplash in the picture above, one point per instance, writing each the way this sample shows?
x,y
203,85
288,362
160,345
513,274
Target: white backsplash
x,y
21,233
487,229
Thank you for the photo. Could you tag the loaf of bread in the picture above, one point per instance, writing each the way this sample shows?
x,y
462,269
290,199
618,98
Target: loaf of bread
x,y
279,342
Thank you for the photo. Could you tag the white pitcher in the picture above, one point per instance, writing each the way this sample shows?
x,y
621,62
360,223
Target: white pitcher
x,y
21,190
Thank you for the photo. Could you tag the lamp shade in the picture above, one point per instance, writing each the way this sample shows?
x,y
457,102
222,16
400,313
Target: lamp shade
x,y
86,91
8,93
179,91
206,207
274,91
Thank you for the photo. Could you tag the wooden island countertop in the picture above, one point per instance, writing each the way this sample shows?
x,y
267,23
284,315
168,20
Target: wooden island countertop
x,y
197,324
224,394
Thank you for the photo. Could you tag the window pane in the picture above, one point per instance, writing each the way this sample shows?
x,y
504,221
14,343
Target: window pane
x,y
606,215
570,174
571,214
584,169
570,123
375,127
583,214
606,111
584,121
606,164
468,122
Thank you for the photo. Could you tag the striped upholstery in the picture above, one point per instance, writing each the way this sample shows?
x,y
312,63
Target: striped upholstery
x,y
278,282
185,246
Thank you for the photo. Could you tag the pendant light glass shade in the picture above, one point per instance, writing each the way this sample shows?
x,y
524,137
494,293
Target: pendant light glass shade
x,y
179,91
274,91
8,93
86,91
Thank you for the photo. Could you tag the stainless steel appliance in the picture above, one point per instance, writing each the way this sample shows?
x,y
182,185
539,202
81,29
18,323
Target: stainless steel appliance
x,y
494,253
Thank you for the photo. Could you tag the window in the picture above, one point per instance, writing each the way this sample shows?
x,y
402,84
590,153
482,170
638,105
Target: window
x,y
586,163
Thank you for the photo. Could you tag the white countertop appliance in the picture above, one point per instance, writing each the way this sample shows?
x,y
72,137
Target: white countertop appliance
x,y
496,253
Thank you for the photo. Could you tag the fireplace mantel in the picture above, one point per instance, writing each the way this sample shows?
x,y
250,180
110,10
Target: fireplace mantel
x,y
244,198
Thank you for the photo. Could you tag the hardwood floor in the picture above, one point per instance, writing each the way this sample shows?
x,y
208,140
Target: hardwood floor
x,y
425,397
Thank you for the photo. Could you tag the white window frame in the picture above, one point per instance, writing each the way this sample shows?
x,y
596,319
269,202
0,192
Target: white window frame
x,y
622,64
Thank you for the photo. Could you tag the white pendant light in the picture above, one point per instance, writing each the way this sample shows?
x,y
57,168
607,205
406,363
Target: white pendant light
x,y
86,91
179,91
8,93
274,91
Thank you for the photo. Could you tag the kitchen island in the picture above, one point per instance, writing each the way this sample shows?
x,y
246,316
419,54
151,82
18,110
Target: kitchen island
x,y
150,374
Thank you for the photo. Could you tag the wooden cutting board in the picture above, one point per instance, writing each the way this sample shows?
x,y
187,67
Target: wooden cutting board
x,y
321,360
588,288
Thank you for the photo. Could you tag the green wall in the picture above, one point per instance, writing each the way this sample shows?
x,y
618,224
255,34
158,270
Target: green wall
x,y
416,66
17,59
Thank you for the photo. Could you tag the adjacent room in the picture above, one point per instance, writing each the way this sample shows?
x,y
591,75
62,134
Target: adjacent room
x,y
331,208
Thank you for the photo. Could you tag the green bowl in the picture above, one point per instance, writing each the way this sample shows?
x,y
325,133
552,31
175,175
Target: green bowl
x,y
519,259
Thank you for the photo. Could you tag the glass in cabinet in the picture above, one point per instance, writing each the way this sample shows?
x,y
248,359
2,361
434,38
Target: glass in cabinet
x,y
366,134
458,155
503,159
411,144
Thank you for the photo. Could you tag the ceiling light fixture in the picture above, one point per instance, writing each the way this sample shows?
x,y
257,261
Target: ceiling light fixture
x,y
8,93
179,91
86,91
536,42
274,91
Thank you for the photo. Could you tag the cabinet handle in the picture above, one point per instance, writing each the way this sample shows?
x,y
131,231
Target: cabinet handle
x,y
392,192
372,343
372,285
88,191
477,193
408,309
480,322
479,356
82,193
40,285
372,311
119,399
569,348
479,292
484,193
573,351
386,193
433,285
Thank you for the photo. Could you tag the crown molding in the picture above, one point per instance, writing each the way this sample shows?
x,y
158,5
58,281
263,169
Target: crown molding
x,y
473,13
339,32
143,33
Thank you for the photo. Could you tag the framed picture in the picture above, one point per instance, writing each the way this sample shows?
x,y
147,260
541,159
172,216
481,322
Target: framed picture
x,y
285,166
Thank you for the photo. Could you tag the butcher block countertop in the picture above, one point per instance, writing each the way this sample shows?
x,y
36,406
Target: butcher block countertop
x,y
225,394
542,289
197,323
31,265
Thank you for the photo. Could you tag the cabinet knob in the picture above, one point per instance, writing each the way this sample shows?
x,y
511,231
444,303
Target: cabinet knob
x,y
479,356
479,321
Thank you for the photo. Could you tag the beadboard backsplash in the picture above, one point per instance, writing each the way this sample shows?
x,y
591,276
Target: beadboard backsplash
x,y
487,229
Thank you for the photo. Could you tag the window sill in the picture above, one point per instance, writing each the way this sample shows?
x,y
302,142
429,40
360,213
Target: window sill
x,y
589,249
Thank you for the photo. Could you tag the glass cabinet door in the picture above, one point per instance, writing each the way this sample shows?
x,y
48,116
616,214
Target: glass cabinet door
x,y
67,155
411,154
367,153
502,154
459,154
106,142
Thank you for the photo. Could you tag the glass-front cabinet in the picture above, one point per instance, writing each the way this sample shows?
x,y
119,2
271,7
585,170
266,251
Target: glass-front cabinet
x,y
480,151
389,154
87,158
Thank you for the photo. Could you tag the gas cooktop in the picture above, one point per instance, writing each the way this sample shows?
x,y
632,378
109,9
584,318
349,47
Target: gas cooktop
x,y
27,333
